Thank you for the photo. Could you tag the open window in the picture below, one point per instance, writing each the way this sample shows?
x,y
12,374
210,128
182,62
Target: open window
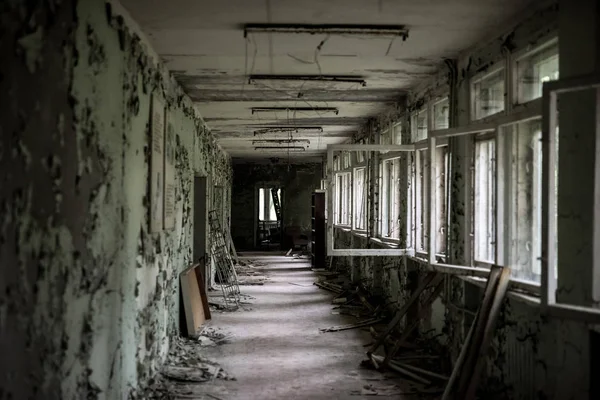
x,y
551,91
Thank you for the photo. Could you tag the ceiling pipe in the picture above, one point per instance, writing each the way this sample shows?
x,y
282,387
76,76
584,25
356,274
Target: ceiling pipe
x,y
280,148
314,78
329,29
301,109
288,129
280,141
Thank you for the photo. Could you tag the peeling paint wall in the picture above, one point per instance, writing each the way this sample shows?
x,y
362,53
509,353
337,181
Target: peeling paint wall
x,y
297,181
88,296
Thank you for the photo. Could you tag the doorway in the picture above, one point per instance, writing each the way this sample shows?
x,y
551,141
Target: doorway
x,y
200,225
269,227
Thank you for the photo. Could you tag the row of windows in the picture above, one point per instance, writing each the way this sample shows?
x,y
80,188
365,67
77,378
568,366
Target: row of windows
x,y
403,182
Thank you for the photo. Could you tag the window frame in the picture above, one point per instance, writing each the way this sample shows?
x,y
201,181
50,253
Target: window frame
x,y
390,151
549,303
365,197
501,67
521,55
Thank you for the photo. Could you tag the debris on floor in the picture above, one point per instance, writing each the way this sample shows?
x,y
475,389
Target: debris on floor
x,y
185,373
212,337
250,273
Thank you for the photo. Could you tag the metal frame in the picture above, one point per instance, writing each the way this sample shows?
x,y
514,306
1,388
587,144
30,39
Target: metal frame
x,y
255,110
311,78
549,226
329,29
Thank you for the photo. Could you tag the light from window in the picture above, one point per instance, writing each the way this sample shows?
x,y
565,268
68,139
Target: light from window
x,y
390,205
397,133
360,198
441,114
266,206
534,69
410,201
418,126
342,198
488,95
484,198
524,186
422,202
385,137
441,198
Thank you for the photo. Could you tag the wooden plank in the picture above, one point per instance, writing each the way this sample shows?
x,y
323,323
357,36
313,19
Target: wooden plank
x,y
480,322
461,369
419,370
430,299
368,322
202,287
400,314
499,296
379,359
192,301
459,362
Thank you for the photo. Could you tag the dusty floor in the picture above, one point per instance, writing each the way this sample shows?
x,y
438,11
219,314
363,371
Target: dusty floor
x,y
276,350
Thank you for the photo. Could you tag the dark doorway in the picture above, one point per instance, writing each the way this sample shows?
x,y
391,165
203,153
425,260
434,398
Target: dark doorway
x,y
200,224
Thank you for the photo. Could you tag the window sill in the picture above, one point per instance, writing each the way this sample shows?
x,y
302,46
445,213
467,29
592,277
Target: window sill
x,y
388,243
345,228
518,290
360,233
528,298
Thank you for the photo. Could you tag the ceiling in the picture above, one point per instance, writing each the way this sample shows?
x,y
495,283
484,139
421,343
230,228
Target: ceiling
x,y
202,43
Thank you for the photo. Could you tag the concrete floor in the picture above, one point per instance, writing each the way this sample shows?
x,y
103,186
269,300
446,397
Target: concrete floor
x,y
276,350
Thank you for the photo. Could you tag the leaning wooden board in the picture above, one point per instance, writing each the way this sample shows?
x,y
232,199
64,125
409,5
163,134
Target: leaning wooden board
x,y
192,301
200,276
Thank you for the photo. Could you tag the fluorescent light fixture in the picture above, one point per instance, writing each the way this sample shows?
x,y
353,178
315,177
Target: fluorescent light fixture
x,y
280,141
329,29
293,109
288,129
314,78
280,148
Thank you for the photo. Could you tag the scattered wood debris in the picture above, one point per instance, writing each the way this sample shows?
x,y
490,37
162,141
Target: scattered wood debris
x,y
361,324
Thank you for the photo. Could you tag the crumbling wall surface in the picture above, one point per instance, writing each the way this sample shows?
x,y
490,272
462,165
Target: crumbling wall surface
x,y
88,296
298,182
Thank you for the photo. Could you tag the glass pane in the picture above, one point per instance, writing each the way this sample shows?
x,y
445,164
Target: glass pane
x,y
397,134
423,202
272,213
535,69
442,195
488,95
441,113
419,126
261,204
525,200
410,222
484,228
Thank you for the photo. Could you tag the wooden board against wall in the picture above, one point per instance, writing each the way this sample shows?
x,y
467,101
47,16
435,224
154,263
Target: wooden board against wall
x,y
199,268
192,301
